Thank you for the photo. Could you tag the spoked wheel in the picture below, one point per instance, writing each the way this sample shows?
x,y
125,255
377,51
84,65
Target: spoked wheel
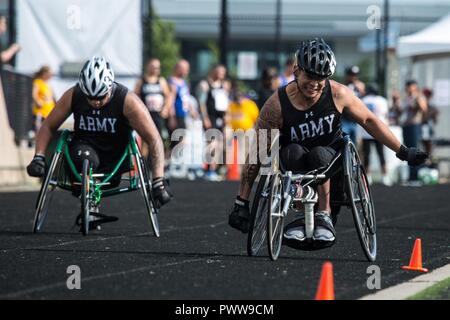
x,y
275,218
258,217
145,186
85,196
361,203
46,194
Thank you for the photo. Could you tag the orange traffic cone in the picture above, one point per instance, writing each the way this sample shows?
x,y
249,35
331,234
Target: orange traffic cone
x,y
325,291
415,263
233,168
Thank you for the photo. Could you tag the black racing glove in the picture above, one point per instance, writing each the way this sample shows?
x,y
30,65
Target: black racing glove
x,y
161,192
37,167
414,156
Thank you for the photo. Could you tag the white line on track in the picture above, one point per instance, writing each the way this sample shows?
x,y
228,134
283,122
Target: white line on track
x,y
55,245
20,293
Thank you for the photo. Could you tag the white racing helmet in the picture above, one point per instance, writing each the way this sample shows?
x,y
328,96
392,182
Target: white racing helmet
x,y
96,77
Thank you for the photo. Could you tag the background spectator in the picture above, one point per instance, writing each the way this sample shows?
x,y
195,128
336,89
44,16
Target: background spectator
x,y
242,115
7,54
154,91
180,96
181,107
351,80
269,83
429,122
214,97
395,110
288,73
243,112
43,97
379,106
414,108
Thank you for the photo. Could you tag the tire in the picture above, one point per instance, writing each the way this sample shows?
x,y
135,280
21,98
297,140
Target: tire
x,y
275,221
361,203
46,194
145,186
85,196
258,218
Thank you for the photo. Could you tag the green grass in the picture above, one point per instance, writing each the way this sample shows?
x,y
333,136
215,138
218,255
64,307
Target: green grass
x,y
440,291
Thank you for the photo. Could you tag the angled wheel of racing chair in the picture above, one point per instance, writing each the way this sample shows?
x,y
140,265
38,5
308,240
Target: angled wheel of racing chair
x,y
91,187
275,194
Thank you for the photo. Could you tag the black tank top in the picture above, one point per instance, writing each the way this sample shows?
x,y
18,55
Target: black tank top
x,y
105,129
320,125
152,95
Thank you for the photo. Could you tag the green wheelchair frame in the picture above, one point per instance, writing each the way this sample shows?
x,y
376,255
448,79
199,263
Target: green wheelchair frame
x,y
94,186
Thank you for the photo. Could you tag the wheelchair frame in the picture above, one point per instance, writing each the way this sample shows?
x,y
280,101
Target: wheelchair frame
x,y
92,188
278,192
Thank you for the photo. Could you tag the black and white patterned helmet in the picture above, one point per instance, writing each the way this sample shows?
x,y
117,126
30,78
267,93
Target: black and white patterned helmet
x,y
96,77
316,57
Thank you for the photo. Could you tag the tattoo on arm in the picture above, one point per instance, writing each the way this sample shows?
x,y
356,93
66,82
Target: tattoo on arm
x,y
269,118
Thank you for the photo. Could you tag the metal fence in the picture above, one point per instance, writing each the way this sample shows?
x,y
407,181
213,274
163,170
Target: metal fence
x,y
18,97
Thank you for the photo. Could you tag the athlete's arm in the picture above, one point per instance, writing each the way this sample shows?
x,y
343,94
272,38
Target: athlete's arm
x,y
269,118
345,100
55,119
141,121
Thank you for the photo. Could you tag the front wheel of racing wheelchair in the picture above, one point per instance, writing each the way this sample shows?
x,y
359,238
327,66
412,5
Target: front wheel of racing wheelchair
x,y
360,201
272,202
92,187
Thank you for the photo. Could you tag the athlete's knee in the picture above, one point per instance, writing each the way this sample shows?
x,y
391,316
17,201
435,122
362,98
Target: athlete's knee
x,y
293,157
319,157
79,152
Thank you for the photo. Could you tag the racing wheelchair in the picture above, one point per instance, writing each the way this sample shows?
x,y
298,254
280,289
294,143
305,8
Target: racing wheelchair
x,y
279,191
91,187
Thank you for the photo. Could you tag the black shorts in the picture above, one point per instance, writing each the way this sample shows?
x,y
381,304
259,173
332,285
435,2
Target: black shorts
x,y
100,162
297,158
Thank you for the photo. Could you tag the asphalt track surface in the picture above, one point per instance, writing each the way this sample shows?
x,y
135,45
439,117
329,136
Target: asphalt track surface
x,y
198,256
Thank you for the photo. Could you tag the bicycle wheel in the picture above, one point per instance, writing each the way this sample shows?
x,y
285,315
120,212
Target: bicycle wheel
x,y
258,218
361,203
145,186
85,196
46,194
275,218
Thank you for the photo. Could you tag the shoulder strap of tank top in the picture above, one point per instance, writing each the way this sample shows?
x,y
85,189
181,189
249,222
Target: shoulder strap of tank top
x,y
76,96
328,95
284,99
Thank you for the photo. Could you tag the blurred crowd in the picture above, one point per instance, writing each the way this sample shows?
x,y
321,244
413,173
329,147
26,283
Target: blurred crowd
x,y
414,116
220,103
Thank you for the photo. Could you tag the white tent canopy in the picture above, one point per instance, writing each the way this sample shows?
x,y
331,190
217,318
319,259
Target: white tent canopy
x,y
431,40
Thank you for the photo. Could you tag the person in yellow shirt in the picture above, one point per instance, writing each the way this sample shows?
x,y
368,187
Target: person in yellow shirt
x,y
242,111
43,98
241,115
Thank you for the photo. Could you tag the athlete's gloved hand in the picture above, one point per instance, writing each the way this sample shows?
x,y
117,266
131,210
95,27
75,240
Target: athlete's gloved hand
x,y
161,192
414,156
37,166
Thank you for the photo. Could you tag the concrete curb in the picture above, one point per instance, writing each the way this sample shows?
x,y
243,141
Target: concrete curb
x,y
411,287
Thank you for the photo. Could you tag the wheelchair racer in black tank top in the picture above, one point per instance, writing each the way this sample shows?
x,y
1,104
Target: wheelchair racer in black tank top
x,y
104,112
306,113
